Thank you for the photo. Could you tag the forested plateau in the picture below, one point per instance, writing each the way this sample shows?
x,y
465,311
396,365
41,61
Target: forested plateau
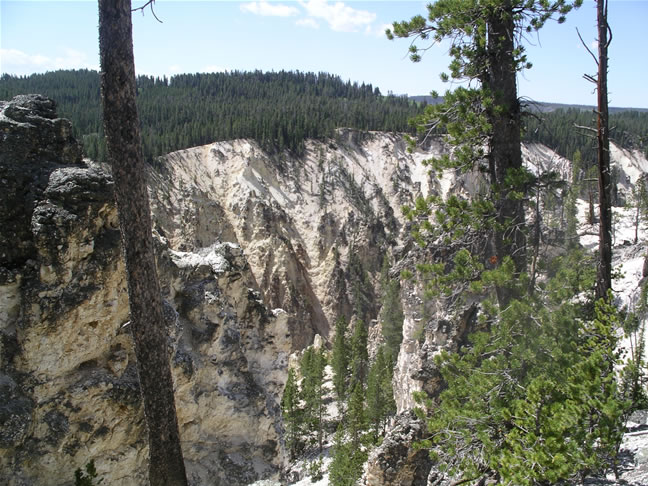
x,y
288,212
280,110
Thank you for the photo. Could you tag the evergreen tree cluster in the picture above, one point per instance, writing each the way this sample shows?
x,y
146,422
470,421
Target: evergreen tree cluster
x,y
365,400
361,386
364,395
531,395
302,402
533,398
391,311
559,131
280,110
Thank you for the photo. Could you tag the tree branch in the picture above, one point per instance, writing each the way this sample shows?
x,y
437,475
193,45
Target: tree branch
x,y
147,4
589,129
462,481
585,46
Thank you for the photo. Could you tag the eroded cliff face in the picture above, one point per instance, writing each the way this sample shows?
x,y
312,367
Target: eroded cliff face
x,y
300,220
238,231
68,383
257,254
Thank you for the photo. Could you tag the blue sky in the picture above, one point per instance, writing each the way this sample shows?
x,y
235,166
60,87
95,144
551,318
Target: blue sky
x,y
339,37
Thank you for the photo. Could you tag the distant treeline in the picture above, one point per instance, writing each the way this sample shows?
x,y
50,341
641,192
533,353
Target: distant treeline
x,y
280,110
559,130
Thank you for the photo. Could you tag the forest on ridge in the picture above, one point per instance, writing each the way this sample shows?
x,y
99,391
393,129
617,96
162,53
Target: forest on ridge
x,y
280,110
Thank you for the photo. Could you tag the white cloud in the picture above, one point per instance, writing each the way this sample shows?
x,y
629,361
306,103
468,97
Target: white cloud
x,y
339,16
18,62
269,9
377,31
307,23
19,58
71,59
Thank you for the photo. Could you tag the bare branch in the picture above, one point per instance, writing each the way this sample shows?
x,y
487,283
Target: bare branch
x,y
589,129
607,26
147,4
586,47
463,481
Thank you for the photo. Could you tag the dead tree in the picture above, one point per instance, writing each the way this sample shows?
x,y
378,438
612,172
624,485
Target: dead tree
x,y
604,274
166,465
604,271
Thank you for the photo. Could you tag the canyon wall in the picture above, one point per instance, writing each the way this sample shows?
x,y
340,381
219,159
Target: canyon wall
x,y
257,254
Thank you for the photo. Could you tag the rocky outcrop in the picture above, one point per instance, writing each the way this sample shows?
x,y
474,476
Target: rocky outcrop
x,y
34,143
292,227
69,389
395,461
229,361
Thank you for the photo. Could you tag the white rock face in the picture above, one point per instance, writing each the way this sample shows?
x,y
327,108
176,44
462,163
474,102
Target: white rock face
x,y
69,389
297,218
426,335
229,220
69,384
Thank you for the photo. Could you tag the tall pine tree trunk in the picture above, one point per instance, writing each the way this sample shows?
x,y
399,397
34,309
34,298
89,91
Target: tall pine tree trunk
x,y
166,466
604,275
505,156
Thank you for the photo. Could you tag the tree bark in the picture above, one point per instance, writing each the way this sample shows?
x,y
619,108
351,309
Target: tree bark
x,y
604,273
121,124
505,155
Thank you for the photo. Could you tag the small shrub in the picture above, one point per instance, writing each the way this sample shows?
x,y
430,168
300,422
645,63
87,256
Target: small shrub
x,y
88,477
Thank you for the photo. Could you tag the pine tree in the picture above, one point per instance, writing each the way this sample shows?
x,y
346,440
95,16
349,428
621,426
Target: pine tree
x,y
121,122
604,279
361,287
359,354
634,378
340,361
392,310
571,208
292,413
346,467
357,416
639,200
312,367
380,394
88,477
484,122
534,400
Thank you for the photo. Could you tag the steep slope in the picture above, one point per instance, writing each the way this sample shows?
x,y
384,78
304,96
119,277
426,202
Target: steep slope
x,y
300,220
429,327
69,386
69,390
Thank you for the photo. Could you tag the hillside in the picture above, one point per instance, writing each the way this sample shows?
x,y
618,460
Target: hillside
x,y
559,130
280,110
541,106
